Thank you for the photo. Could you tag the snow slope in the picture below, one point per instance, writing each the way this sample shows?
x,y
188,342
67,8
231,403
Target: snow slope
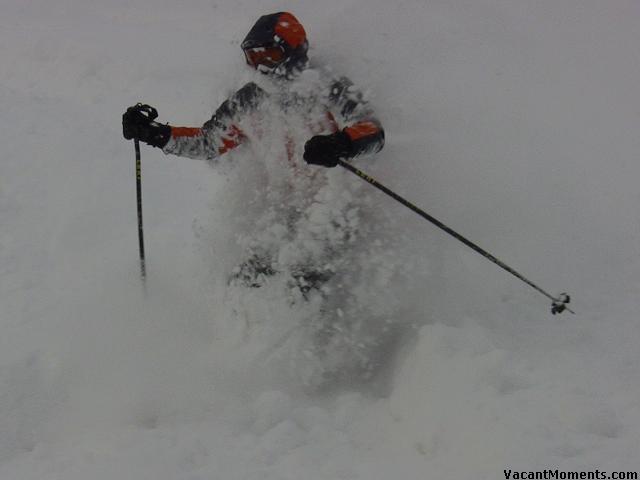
x,y
512,121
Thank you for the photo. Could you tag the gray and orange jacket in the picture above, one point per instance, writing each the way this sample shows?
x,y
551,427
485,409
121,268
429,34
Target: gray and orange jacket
x,y
344,107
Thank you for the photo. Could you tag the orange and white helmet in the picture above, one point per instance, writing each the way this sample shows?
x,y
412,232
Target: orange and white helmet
x,y
277,43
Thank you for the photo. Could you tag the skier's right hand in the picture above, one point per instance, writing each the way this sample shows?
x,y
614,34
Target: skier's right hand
x,y
138,123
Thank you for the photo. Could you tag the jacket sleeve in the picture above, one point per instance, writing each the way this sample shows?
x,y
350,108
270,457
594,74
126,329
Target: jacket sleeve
x,y
219,134
362,127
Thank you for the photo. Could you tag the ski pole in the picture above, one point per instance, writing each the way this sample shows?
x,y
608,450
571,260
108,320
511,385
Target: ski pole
x,y
150,114
143,270
558,304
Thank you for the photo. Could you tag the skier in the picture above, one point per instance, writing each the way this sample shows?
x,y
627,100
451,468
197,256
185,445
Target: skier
x,y
306,224
344,126
299,100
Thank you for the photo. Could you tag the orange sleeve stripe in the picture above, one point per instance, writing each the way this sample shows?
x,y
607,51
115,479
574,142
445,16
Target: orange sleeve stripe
x,y
361,130
231,139
227,144
185,132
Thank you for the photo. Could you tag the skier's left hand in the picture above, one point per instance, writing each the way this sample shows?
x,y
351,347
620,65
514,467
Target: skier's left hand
x,y
325,150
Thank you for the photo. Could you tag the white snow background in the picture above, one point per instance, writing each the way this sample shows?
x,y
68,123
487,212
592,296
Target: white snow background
x,y
515,122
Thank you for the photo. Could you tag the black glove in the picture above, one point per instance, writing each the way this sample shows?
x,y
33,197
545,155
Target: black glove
x,y
325,150
138,122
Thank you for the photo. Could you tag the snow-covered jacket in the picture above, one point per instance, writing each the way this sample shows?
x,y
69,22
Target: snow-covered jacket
x,y
330,105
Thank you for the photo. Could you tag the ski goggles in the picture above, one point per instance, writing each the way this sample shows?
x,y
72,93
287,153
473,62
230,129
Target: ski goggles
x,y
268,56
